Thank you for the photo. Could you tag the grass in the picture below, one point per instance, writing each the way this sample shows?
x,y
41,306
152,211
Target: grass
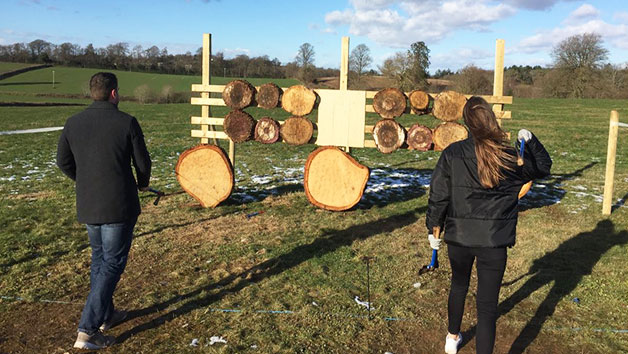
x,y
189,265
6,66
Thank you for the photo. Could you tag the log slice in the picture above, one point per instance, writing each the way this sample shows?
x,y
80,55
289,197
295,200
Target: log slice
x,y
448,106
388,135
447,133
205,173
298,100
333,180
419,101
268,95
419,137
297,130
238,94
389,103
266,130
238,126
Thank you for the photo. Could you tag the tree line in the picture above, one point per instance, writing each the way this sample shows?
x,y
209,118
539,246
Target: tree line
x,y
579,69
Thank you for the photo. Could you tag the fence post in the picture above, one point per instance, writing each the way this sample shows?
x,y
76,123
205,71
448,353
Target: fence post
x,y
610,163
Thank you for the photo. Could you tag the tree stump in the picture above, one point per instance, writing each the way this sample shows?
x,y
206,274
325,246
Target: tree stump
x,y
419,101
388,135
297,130
333,180
205,173
238,94
268,96
298,100
238,126
419,137
447,133
266,130
389,103
448,106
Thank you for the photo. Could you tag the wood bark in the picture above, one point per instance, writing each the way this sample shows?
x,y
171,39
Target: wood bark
x,y
205,173
419,101
266,130
298,100
448,106
447,133
389,103
388,135
268,95
333,180
238,94
297,130
238,126
419,137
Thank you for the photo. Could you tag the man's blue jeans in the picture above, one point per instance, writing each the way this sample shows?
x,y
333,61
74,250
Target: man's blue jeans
x,y
110,249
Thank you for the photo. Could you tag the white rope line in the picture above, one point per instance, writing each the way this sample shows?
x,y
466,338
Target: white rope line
x,y
27,131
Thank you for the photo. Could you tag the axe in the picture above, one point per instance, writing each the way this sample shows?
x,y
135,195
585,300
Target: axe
x,y
434,262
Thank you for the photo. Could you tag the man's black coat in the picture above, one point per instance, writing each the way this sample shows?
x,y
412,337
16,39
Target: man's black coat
x,y
96,149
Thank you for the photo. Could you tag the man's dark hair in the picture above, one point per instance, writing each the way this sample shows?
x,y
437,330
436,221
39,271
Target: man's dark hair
x,y
101,84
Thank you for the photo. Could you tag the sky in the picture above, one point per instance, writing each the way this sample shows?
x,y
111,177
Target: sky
x,y
457,32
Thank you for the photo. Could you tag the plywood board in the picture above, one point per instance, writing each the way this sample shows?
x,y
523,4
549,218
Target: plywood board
x,y
341,118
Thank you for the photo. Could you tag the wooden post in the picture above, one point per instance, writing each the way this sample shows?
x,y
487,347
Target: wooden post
x,y
207,52
610,163
498,79
344,71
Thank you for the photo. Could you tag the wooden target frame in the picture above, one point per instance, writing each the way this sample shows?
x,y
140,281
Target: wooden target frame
x,y
341,118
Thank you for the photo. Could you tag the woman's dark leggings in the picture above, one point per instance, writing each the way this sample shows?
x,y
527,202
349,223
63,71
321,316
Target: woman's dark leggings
x,y
491,263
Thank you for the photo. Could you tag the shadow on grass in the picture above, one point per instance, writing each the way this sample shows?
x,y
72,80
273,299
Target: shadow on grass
x,y
549,191
619,203
394,185
564,268
329,241
29,83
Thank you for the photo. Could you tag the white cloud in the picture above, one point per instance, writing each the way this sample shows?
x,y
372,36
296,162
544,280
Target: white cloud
x,y
617,35
621,16
462,57
231,53
398,23
535,4
583,13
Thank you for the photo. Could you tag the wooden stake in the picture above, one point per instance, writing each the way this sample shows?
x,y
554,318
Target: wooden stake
x,y
610,163
344,71
498,79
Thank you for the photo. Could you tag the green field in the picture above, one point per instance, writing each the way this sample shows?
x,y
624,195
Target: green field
x,y
286,280
6,67
75,81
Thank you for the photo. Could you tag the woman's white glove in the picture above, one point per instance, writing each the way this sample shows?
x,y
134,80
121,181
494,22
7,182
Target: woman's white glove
x,y
525,135
434,242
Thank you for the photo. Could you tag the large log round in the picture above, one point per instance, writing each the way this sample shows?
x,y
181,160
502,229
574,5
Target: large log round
x,y
389,103
238,94
419,101
447,133
238,126
297,130
298,100
333,180
266,130
205,173
268,95
388,135
448,106
419,137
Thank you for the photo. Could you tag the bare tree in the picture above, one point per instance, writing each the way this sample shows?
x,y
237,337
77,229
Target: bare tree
x,y
579,58
305,61
360,59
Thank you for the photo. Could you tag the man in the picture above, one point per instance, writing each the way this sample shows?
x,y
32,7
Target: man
x,y
96,149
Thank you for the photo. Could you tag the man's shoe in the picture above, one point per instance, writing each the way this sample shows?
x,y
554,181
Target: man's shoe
x,y
93,342
116,318
451,345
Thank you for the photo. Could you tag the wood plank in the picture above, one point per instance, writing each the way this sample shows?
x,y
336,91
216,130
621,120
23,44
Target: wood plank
x,y
369,129
208,88
341,118
344,64
207,120
207,101
498,77
369,144
208,134
503,114
205,79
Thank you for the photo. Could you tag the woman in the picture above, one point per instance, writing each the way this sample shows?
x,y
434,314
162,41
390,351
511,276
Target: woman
x,y
473,198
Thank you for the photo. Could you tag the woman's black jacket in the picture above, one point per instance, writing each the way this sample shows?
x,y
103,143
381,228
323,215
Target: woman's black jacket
x,y
474,216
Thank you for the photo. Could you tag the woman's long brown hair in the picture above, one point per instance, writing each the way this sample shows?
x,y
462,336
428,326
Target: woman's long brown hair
x,y
490,141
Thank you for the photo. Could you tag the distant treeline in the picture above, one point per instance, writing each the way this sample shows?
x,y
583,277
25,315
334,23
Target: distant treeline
x,y
120,56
